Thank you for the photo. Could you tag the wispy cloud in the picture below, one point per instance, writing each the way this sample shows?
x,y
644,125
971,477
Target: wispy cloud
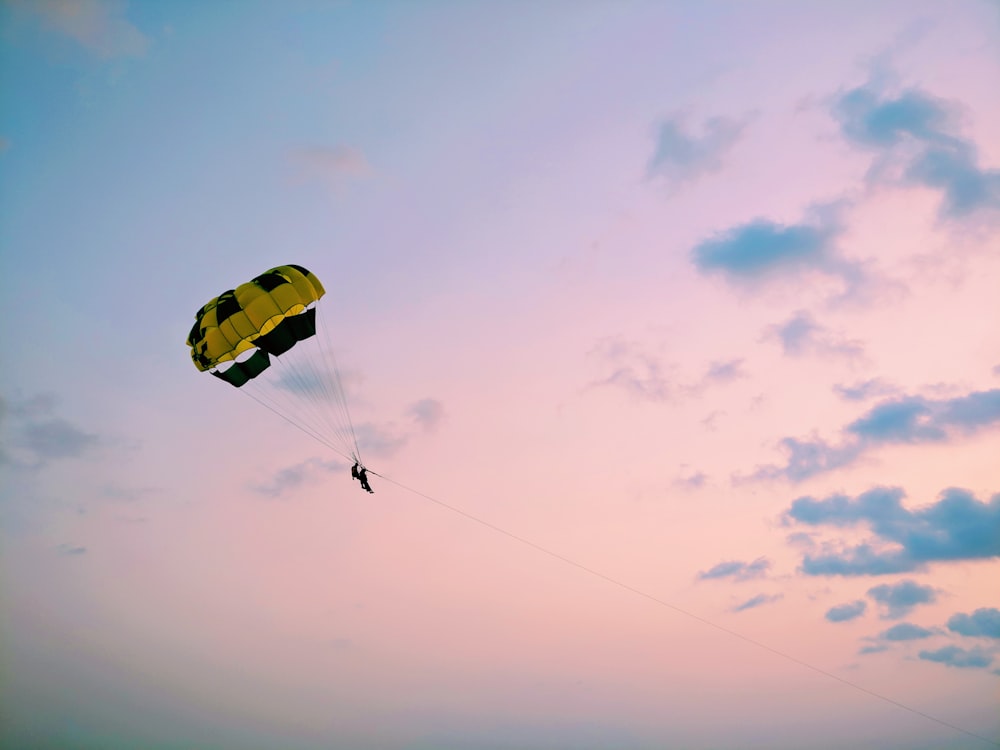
x,y
297,475
99,26
725,371
903,420
955,656
845,612
333,166
956,527
756,601
916,139
737,570
633,369
865,389
380,440
983,623
694,481
683,156
427,413
39,435
875,648
801,335
899,599
71,550
636,369
55,438
806,458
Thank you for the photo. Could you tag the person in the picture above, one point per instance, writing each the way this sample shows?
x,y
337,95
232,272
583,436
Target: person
x,y
363,478
358,472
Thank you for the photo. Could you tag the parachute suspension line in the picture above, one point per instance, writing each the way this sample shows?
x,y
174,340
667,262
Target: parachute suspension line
x,y
308,393
687,613
294,423
285,397
338,385
301,377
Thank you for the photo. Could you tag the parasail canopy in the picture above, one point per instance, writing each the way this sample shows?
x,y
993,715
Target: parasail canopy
x,y
272,320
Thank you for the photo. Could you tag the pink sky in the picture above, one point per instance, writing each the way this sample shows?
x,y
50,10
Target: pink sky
x,y
631,262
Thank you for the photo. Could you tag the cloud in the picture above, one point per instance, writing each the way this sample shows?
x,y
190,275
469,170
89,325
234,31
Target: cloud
x,y
756,601
56,438
333,166
956,527
38,405
693,481
70,550
718,373
39,436
874,649
899,599
633,369
4,144
725,372
293,477
121,494
427,413
903,420
905,631
954,656
801,335
99,26
737,570
806,458
870,120
865,389
681,156
914,419
983,623
845,612
379,440
760,247
917,143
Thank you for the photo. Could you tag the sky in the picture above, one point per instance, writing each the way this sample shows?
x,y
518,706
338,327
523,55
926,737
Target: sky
x,y
669,331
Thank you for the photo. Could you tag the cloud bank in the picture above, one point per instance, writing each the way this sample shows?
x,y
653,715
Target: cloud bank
x,y
956,527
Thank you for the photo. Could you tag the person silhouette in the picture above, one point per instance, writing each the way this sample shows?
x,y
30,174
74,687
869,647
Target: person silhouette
x,y
358,472
363,478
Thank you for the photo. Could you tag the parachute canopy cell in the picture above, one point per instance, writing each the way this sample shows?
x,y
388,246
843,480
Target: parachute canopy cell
x,y
265,316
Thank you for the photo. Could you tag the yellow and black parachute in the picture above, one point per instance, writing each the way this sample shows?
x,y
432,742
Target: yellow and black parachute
x,y
262,338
